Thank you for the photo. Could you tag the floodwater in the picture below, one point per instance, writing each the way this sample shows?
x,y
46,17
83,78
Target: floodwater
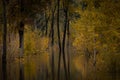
x,y
38,68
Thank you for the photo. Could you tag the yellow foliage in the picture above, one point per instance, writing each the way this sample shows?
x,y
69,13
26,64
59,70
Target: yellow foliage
x,y
79,42
44,43
34,43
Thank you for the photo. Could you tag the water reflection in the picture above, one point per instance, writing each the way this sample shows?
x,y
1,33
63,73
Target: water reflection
x,y
35,68
21,65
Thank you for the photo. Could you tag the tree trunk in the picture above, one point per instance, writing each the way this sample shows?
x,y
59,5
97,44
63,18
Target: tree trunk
x,y
21,72
87,56
63,43
21,29
94,63
4,62
59,42
94,58
21,47
46,23
68,53
21,39
52,45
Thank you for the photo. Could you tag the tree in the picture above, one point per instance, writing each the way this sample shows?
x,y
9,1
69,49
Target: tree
x,y
4,62
59,39
68,48
97,28
65,5
52,44
20,11
47,16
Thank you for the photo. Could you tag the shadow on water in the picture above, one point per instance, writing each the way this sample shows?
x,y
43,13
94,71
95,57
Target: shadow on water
x,y
34,68
21,77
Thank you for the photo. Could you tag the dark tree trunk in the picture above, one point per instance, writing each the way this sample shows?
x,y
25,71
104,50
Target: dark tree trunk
x,y
87,57
58,34
52,45
46,24
21,46
68,53
21,29
94,63
21,72
94,58
21,39
63,43
4,62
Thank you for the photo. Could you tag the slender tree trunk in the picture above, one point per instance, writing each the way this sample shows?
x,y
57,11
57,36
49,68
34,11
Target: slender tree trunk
x,y
4,62
94,58
59,42
46,73
52,45
46,24
63,43
21,39
21,72
21,46
86,55
94,63
68,53
21,30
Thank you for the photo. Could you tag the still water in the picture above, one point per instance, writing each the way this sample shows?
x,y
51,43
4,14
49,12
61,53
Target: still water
x,y
38,68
